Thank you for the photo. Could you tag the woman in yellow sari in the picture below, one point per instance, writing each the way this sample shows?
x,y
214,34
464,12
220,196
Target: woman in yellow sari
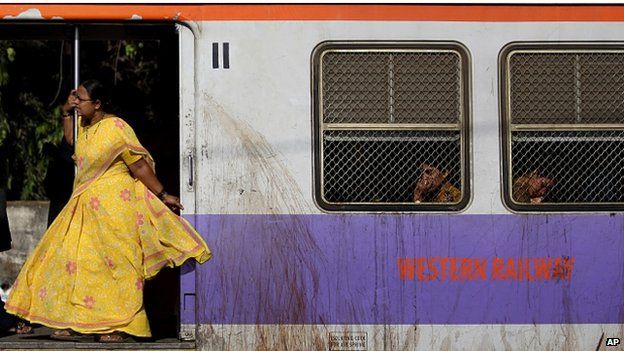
x,y
86,275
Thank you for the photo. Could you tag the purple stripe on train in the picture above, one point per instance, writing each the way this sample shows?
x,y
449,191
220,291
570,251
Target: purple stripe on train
x,y
464,269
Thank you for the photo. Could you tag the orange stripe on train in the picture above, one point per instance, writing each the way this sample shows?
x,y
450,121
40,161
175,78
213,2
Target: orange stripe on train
x,y
312,12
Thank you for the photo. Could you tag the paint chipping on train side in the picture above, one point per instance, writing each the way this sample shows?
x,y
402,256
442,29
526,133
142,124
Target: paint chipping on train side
x,y
33,13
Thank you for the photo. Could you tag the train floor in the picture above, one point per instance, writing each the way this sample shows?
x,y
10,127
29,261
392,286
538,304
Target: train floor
x,y
40,340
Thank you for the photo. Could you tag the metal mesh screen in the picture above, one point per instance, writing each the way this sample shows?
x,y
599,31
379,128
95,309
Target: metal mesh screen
x,y
383,166
566,87
585,166
391,87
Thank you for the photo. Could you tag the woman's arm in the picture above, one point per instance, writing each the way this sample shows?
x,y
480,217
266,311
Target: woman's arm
x,y
143,172
68,113
68,129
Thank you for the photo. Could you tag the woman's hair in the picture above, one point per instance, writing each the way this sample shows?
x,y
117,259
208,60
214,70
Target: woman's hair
x,y
98,91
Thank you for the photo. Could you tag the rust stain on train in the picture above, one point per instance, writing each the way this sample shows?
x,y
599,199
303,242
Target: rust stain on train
x,y
253,179
249,163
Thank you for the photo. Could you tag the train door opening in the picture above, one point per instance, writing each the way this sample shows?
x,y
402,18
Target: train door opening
x,y
39,64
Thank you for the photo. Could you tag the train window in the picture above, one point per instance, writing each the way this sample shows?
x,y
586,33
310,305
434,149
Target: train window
x,y
563,126
391,126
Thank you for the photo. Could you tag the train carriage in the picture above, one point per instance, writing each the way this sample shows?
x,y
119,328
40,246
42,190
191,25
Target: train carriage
x,y
385,177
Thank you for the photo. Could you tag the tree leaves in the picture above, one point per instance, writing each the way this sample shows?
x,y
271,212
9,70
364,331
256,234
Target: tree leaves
x,y
26,124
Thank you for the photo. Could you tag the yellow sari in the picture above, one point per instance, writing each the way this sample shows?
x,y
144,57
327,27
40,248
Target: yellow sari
x,y
88,270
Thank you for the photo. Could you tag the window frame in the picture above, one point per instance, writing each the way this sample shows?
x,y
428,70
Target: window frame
x,y
507,127
464,125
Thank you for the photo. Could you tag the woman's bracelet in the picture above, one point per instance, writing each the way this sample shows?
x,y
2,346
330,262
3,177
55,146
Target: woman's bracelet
x,y
161,195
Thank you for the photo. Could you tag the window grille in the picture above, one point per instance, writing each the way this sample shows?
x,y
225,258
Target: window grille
x,y
383,113
563,126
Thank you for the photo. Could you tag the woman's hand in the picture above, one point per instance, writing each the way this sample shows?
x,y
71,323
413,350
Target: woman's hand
x,y
173,202
143,172
70,103
67,112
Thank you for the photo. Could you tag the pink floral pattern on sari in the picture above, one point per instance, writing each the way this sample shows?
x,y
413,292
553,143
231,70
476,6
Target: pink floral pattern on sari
x,y
125,195
119,124
140,219
43,292
89,301
70,267
95,203
109,262
139,284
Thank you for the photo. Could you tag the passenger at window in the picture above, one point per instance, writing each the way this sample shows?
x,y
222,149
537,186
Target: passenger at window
x,y
532,187
432,186
118,229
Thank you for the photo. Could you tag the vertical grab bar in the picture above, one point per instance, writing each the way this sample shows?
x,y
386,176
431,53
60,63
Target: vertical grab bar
x,y
189,157
76,82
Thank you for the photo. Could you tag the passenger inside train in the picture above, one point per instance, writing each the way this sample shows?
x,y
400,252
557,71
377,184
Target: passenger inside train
x,y
532,187
433,186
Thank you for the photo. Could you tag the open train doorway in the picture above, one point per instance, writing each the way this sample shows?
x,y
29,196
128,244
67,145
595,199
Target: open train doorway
x,y
39,65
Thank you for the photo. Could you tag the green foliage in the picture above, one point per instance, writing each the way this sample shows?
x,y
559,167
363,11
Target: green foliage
x,y
131,68
130,51
4,123
26,122
34,126
10,54
4,129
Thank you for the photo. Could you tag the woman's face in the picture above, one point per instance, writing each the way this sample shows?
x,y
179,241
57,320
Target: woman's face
x,y
84,105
